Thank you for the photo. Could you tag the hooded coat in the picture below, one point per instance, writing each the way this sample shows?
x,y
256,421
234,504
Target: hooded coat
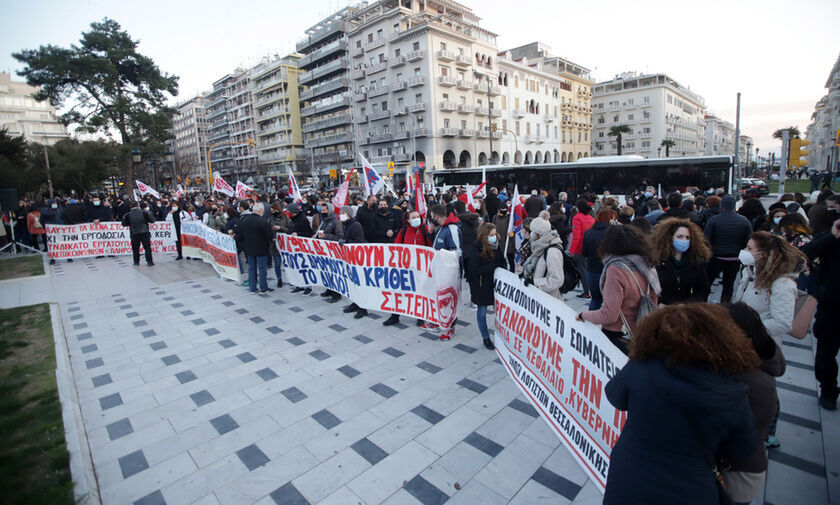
x,y
678,418
448,236
479,273
469,227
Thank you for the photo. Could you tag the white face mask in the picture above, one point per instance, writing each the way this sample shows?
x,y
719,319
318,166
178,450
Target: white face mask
x,y
174,209
747,258
96,203
344,217
414,222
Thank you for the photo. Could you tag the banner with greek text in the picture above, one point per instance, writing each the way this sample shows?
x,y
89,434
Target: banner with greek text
x,y
68,241
214,247
408,280
562,366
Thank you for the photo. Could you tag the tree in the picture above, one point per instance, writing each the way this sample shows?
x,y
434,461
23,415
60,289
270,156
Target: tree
x,y
15,167
111,86
668,144
792,130
616,131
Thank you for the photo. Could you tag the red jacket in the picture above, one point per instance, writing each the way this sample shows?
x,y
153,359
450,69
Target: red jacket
x,y
30,223
414,236
580,223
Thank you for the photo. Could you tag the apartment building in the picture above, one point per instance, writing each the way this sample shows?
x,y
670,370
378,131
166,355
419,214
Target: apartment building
x,y
720,137
218,130
825,123
745,154
189,146
276,106
230,124
423,84
326,111
656,108
544,109
22,115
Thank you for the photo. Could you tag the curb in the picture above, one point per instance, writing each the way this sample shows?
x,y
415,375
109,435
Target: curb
x,y
85,486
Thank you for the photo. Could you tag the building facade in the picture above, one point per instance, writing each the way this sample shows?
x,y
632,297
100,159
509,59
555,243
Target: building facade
x,y
656,108
189,129
825,123
22,115
276,104
720,137
229,117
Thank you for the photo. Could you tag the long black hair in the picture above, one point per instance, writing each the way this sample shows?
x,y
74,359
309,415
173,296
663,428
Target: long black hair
x,y
624,240
748,320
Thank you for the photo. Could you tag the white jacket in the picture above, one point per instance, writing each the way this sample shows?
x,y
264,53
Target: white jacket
x,y
185,216
548,274
775,306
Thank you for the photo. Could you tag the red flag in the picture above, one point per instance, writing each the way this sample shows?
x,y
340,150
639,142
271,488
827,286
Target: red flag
x,y
479,189
419,197
343,193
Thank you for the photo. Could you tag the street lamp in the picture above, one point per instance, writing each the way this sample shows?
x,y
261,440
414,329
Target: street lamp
x,y
136,156
659,151
169,156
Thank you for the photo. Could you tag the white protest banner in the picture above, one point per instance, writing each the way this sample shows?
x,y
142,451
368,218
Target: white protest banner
x,y
218,249
106,238
393,278
562,365
147,190
242,190
221,186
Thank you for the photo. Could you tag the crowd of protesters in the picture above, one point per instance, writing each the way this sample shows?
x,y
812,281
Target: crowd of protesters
x,y
646,264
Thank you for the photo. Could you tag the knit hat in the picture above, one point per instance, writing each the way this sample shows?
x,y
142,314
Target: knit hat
x,y
727,202
330,208
540,226
293,208
347,210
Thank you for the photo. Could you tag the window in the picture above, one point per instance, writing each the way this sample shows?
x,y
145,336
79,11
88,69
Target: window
x,y
359,43
446,97
381,57
527,128
586,136
415,47
384,106
417,72
444,71
579,137
516,103
461,76
629,101
646,130
418,98
370,37
646,143
615,119
400,102
378,34
515,81
372,85
564,136
443,46
374,107
600,135
383,82
629,117
446,122
463,100
401,127
504,102
396,53
670,99
372,61
516,127
504,124
463,124
647,99
399,78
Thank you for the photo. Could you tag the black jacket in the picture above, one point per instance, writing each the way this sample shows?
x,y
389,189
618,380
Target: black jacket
x,y
534,205
382,224
707,214
826,247
479,272
300,225
492,203
331,227
561,226
101,213
123,209
74,214
138,221
353,232
367,219
256,235
728,233
591,242
691,284
677,212
469,226
676,416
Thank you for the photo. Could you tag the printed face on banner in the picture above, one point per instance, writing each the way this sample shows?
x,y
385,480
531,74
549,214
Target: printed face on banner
x,y
447,302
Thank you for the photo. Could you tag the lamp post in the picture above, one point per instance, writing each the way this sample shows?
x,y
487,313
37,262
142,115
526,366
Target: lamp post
x,y
169,156
659,151
136,158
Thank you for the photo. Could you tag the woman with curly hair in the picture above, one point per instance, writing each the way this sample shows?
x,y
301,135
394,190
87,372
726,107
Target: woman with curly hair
x,y
796,231
684,411
682,259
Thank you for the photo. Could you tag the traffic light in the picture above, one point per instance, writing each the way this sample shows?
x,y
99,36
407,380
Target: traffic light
x,y
796,153
495,127
250,142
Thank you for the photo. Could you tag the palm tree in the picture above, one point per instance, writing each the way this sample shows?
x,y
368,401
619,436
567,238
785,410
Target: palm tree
x,y
668,144
793,132
616,131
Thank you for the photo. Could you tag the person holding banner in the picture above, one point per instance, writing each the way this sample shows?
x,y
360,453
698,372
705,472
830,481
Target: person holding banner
x,y
448,237
280,223
683,409
353,234
544,268
256,235
414,232
175,216
138,220
480,267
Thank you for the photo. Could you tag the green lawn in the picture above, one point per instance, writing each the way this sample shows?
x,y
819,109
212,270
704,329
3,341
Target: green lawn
x,y
34,462
792,186
21,266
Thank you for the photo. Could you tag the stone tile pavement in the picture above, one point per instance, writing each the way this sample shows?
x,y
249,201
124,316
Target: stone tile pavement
x,y
193,391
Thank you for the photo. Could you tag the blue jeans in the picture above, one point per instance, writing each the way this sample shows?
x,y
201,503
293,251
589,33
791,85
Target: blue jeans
x,y
278,266
239,259
594,282
481,318
257,263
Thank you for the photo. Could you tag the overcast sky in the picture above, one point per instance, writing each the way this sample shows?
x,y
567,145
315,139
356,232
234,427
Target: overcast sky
x,y
777,54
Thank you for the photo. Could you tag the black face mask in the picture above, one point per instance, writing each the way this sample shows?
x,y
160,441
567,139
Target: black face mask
x,y
383,210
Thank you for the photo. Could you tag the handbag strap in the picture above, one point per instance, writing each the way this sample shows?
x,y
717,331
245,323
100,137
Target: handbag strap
x,y
639,286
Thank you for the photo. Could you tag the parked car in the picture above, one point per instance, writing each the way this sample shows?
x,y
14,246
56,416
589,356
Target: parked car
x,y
756,184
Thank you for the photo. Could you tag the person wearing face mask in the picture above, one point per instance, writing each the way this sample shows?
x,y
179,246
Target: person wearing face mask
x,y
413,232
501,221
200,208
366,216
682,260
480,267
448,237
727,233
98,212
175,216
353,234
384,224
544,268
768,285
299,227
329,228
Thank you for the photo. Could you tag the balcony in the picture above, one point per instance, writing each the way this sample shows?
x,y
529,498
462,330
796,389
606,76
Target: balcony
x,y
357,75
378,139
360,118
273,143
375,116
397,61
321,124
325,106
519,113
465,84
647,104
279,127
319,35
270,98
380,160
497,135
379,67
466,132
417,107
216,113
464,108
422,132
360,96
416,81
270,113
548,118
324,140
495,91
646,120
338,45
414,55
335,84
480,87
566,106
221,134
495,112
357,52
567,122
483,133
401,135
482,111
448,106
400,111
370,46
448,132
402,157
381,90
446,80
463,61
333,66
400,86
644,135
445,55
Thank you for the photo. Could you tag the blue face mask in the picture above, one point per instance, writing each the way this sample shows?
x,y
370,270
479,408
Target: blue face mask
x,y
317,208
681,245
776,220
492,239
648,194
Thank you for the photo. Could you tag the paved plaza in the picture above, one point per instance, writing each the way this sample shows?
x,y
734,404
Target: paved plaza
x,y
192,391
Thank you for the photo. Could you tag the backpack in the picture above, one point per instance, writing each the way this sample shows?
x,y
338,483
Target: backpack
x,y
646,305
571,276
